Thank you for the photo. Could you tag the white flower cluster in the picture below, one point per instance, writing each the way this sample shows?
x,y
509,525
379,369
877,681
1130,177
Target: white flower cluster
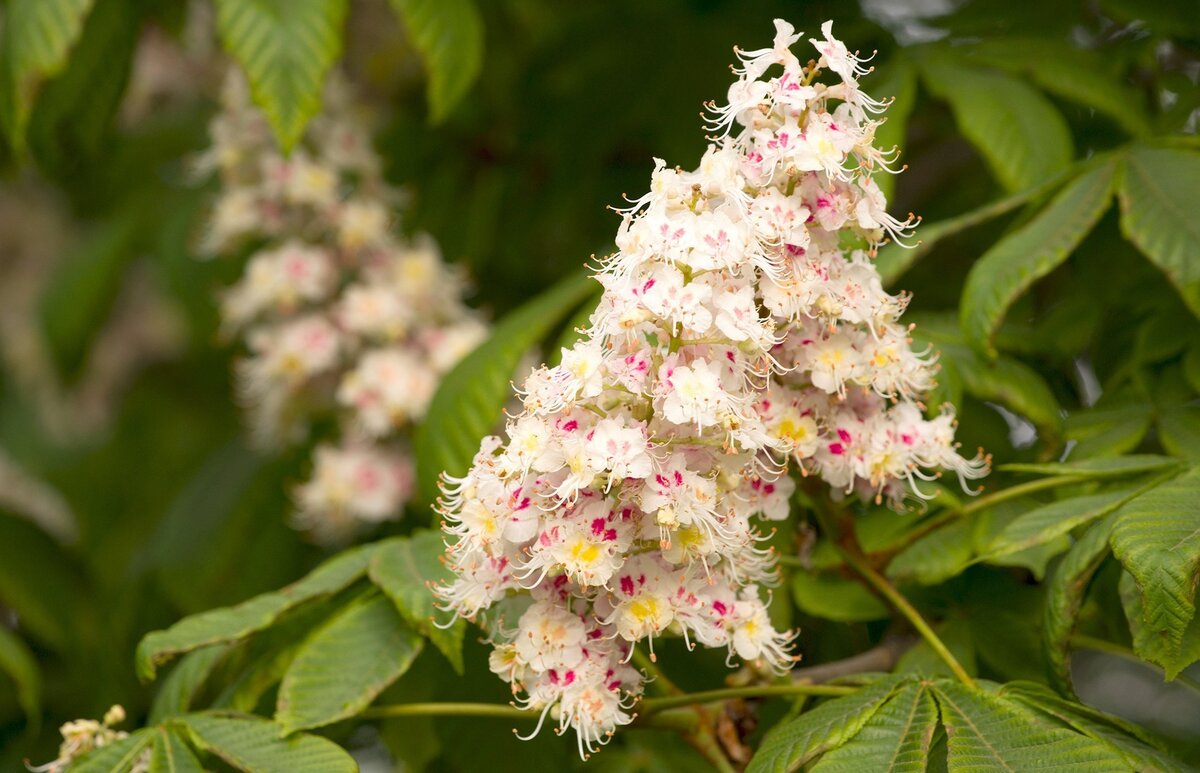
x,y
81,736
337,312
743,331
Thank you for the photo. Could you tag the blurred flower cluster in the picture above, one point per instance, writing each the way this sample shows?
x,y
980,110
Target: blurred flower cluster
x,y
337,311
743,334
81,736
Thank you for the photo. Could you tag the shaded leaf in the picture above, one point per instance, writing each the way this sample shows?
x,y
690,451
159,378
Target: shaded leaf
x,y
285,47
834,597
1065,592
405,568
937,556
1179,431
1022,257
471,397
232,623
1108,429
344,664
18,662
1156,536
1103,467
180,687
254,745
956,634
1049,522
449,35
1158,191
172,755
1018,131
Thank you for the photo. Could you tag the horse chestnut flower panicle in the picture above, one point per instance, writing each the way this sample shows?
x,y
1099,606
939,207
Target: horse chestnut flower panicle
x,y
337,312
740,336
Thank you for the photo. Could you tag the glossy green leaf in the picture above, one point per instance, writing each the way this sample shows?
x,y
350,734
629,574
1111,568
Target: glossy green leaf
x,y
987,733
344,664
1022,257
1018,131
794,743
471,397
1158,191
1156,536
172,755
833,597
895,740
406,569
1065,592
38,36
254,745
449,35
285,47
233,623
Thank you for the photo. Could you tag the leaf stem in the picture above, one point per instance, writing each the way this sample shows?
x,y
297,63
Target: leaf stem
x,y
449,710
904,607
651,706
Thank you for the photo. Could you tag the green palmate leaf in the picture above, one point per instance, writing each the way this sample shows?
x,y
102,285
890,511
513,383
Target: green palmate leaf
x,y
1018,260
405,568
1075,74
937,556
471,397
893,259
116,757
899,84
1065,592
345,663
834,597
233,623
1145,641
18,662
1104,467
254,745
1018,131
38,36
1049,522
794,743
1158,191
895,740
177,691
1156,536
286,47
449,35
1139,750
986,733
172,755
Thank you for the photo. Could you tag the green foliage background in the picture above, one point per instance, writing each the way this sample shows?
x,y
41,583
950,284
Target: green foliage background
x,y
1053,154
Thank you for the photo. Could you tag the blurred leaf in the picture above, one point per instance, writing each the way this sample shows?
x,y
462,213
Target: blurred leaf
x,y
1146,641
1156,536
1065,592
898,82
18,662
233,623
38,35
1018,131
580,320
74,113
344,664
172,755
471,397
254,745
116,757
38,584
1158,189
792,744
896,739
985,732
176,692
832,597
1179,431
1022,257
1049,522
1108,429
406,568
992,522
937,556
1103,467
894,259
956,634
285,47
1072,73
1191,365
449,35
